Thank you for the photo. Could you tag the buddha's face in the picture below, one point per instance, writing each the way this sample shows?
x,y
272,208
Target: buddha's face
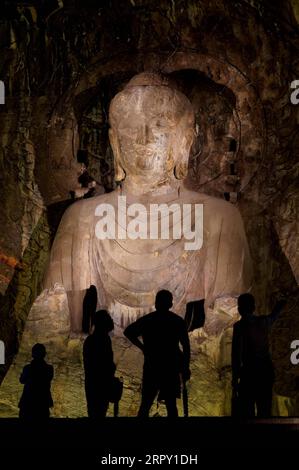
x,y
150,125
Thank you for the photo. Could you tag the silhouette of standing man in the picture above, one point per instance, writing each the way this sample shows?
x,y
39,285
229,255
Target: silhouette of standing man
x,y
252,368
36,398
98,365
162,332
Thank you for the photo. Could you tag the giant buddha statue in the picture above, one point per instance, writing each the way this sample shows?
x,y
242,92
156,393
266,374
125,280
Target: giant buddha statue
x,y
107,240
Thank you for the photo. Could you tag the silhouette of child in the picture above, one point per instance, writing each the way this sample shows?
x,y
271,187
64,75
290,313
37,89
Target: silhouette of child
x,y
36,398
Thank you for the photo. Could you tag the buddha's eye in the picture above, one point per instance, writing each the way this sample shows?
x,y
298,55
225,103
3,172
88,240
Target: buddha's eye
x,y
162,124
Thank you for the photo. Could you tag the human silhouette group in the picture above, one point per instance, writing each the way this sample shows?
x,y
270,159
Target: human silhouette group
x,y
163,338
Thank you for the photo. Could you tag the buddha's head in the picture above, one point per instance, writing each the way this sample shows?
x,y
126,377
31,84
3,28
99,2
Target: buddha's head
x,y
152,130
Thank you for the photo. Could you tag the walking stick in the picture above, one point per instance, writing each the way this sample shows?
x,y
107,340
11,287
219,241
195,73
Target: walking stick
x,y
115,409
118,386
185,398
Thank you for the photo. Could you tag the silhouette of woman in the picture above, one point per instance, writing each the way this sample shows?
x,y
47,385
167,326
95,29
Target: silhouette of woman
x,y
98,365
36,398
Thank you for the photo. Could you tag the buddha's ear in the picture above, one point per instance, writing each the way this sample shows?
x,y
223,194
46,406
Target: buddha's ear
x,y
185,143
119,174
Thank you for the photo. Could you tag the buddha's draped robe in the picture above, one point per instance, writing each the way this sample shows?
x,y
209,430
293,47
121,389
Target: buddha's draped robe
x,y
128,273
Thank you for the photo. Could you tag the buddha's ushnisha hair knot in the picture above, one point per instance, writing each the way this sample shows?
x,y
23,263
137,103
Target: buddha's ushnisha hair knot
x,y
151,79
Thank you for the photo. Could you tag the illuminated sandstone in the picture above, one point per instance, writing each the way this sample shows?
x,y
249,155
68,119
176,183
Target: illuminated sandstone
x,y
152,129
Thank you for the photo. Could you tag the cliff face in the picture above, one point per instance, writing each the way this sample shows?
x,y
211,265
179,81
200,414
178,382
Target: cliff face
x,y
62,61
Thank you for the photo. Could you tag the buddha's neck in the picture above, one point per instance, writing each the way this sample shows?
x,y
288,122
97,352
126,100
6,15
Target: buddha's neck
x,y
136,188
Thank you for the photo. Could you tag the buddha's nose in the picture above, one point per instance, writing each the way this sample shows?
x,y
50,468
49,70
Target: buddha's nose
x,y
143,134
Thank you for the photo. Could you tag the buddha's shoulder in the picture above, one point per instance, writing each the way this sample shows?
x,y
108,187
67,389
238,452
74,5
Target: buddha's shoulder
x,y
85,208
210,203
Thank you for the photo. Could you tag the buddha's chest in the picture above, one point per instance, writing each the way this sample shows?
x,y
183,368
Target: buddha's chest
x,y
133,272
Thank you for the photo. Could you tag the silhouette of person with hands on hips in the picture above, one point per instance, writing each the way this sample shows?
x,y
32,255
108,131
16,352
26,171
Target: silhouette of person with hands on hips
x,y
98,365
36,399
162,332
252,368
